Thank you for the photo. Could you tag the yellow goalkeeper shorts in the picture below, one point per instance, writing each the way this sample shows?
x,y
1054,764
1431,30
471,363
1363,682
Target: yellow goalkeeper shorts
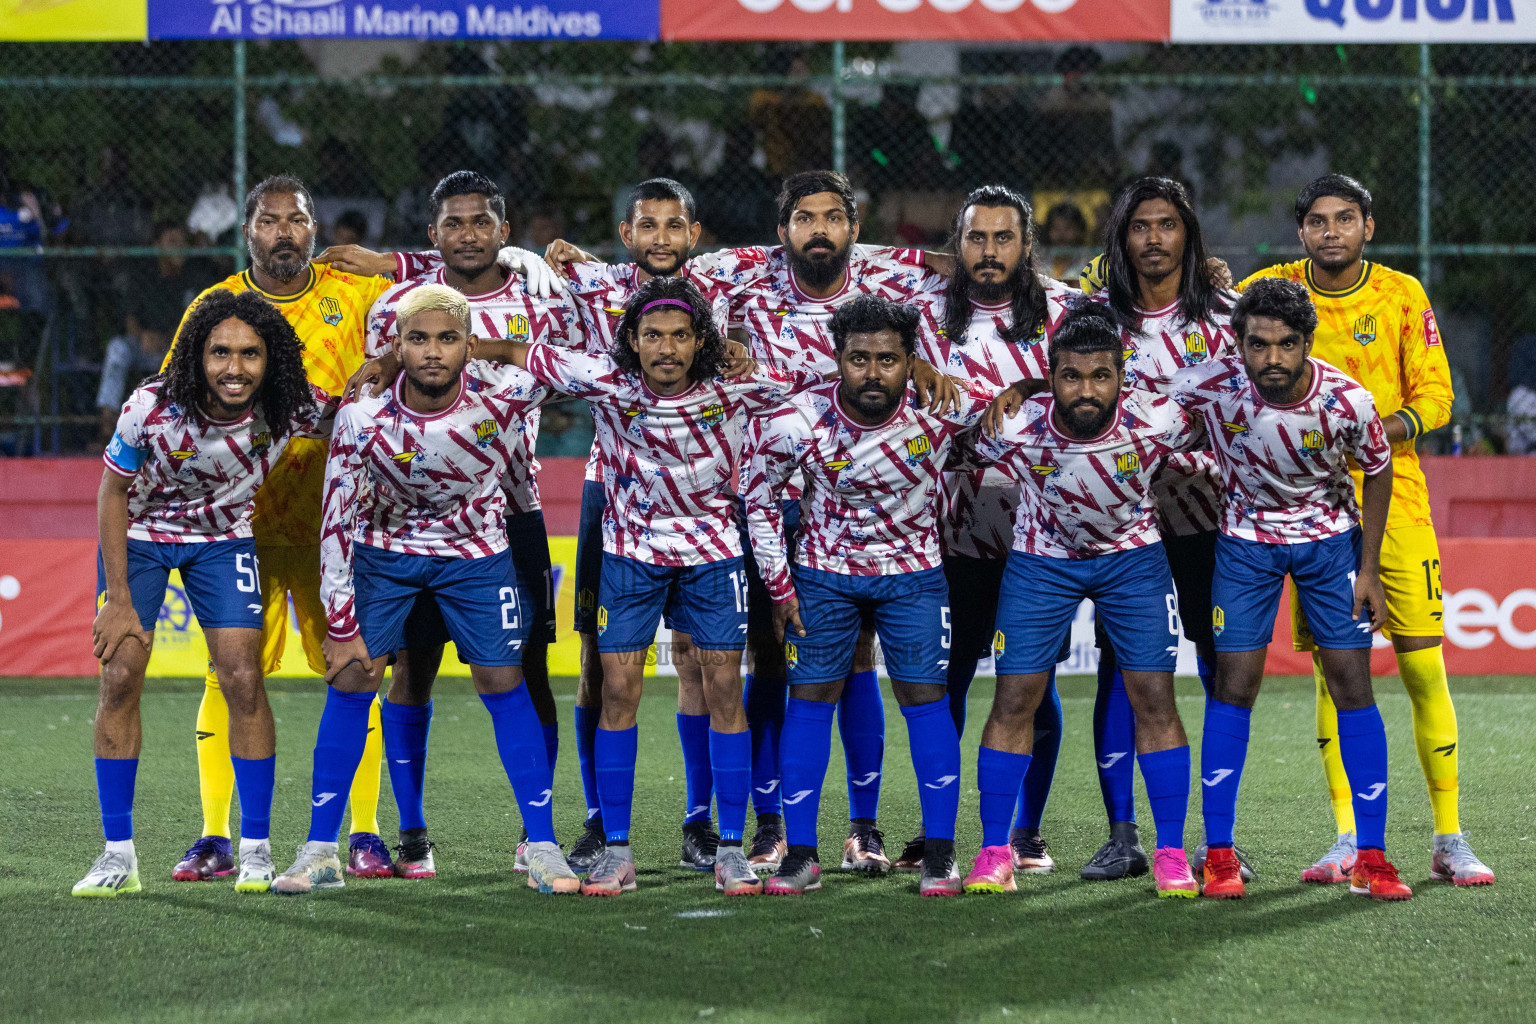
x,y
291,570
1410,574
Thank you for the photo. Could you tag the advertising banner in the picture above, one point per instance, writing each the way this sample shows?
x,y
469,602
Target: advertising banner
x,y
1353,21
1013,20
402,19
71,20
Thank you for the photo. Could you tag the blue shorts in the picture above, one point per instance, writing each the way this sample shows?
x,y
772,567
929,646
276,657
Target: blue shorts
x,y
709,602
910,613
477,598
1250,576
1132,595
589,555
219,577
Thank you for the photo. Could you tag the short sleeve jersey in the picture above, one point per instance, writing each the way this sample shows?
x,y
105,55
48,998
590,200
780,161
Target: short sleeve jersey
x,y
1285,467
508,312
1084,498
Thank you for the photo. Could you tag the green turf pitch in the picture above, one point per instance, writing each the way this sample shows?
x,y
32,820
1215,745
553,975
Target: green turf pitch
x,y
476,945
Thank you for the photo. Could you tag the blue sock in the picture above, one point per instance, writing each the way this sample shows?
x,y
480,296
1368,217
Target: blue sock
x,y
339,746
730,758
1114,744
520,742
693,731
861,724
255,778
114,789
1363,747
807,747
1207,674
1166,773
999,776
406,727
551,745
764,697
1042,769
1223,749
616,751
936,760
586,733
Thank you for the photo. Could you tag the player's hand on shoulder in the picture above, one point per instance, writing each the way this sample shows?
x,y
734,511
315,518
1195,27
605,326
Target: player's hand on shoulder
x,y
115,623
373,378
937,391
357,259
1006,405
540,278
560,252
341,653
738,363
1220,273
786,616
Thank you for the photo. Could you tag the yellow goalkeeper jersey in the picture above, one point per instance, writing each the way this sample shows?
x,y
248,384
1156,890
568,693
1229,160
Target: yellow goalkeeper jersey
x,y
1382,332
330,317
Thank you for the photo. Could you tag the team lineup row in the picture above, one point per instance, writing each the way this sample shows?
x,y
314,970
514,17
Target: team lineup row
x,y
920,438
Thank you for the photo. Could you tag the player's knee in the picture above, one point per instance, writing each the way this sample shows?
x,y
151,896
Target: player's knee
x,y
913,695
243,690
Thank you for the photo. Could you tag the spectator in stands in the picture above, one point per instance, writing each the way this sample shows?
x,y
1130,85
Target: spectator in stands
x,y
544,224
793,122
891,145
22,229
1065,228
736,203
1520,407
350,228
566,430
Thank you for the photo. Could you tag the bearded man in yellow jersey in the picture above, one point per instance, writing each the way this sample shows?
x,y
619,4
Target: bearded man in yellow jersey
x,y
1377,325
329,311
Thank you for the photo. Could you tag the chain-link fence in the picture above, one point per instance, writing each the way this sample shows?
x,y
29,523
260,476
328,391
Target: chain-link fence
x,y
120,166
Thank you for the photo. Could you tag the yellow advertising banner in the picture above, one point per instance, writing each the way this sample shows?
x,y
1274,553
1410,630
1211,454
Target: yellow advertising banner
x,y
181,651
40,21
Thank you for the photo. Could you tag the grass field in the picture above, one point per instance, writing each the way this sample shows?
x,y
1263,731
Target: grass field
x,y
476,945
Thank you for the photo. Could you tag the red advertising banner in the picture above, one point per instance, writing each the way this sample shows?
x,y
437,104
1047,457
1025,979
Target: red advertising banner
x,y
47,603
1080,20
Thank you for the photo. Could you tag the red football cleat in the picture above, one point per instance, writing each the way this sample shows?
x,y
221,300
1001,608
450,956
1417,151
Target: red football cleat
x,y
1222,875
1374,876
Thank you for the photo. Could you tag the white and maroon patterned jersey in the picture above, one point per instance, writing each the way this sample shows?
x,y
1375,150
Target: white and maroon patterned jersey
x,y
976,512
508,312
787,329
194,478
1188,491
870,507
419,483
668,461
1284,467
1088,498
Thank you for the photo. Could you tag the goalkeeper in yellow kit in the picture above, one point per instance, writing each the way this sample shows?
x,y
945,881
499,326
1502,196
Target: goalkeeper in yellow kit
x,y
1377,325
329,311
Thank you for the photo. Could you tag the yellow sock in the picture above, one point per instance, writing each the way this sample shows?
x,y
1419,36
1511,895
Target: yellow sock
x,y
215,771
1328,746
1434,732
365,784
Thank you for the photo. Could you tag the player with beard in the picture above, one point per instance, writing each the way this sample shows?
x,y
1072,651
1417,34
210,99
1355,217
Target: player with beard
x,y
191,449
1286,428
329,311
469,227
990,327
1377,325
1086,454
870,457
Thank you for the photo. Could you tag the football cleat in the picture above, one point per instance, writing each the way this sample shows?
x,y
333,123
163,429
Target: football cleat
x,y
993,871
589,847
1454,861
549,873
1244,862
1170,869
1031,855
413,857
1336,864
798,874
256,868
941,876
864,850
209,857
911,859
1222,875
611,874
315,866
1121,857
734,875
1374,876
368,857
112,873
700,843
768,847
520,859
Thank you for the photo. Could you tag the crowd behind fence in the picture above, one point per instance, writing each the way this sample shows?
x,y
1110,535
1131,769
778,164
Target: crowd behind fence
x,y
121,165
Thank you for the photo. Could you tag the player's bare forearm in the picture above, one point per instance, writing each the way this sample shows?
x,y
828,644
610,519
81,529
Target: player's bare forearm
x,y
356,259
934,389
1396,427
941,263
1375,502
380,373
560,252
112,532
